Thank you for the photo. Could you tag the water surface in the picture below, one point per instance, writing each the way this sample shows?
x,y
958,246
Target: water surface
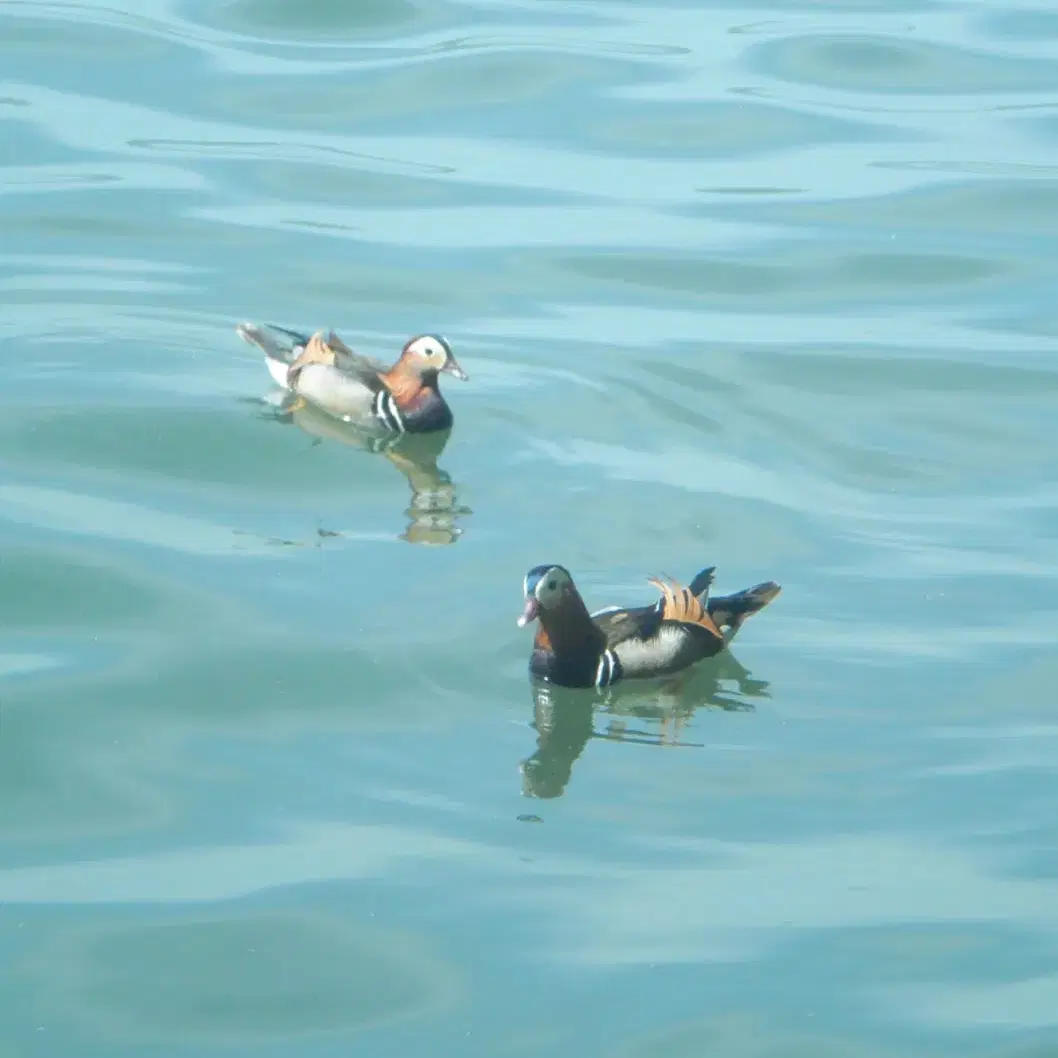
x,y
767,286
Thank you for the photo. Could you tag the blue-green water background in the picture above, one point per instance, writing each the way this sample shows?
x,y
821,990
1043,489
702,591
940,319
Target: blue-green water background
x,y
765,285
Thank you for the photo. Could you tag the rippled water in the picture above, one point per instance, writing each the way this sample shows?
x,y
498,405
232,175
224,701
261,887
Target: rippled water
x,y
769,286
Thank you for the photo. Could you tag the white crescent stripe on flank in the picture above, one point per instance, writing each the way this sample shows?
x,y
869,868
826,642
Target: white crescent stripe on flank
x,y
394,412
386,411
605,672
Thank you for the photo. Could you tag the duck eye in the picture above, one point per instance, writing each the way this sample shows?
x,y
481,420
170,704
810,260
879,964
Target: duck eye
x,y
552,585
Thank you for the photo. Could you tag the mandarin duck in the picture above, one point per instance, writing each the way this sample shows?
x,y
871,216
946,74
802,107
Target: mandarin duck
x,y
325,372
575,648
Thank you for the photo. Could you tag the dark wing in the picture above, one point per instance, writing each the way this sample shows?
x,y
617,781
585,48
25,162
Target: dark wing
x,y
640,622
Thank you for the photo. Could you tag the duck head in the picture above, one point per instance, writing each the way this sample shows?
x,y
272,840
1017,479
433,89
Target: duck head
x,y
546,589
428,356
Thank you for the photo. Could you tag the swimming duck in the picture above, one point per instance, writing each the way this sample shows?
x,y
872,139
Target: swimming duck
x,y
575,648
325,372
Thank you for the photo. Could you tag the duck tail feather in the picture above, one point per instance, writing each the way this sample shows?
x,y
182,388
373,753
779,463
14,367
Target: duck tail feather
x,y
277,343
729,612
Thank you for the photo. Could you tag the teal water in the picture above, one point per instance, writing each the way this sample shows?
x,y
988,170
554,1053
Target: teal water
x,y
767,285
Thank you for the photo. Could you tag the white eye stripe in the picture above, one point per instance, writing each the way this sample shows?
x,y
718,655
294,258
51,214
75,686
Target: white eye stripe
x,y
430,347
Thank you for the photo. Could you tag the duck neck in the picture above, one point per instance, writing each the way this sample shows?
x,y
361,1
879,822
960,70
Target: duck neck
x,y
409,386
569,629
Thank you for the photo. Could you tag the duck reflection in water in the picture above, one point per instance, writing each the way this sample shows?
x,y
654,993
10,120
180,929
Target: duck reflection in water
x,y
565,719
434,508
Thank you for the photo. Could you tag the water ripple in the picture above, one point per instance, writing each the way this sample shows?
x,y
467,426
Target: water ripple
x,y
767,285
